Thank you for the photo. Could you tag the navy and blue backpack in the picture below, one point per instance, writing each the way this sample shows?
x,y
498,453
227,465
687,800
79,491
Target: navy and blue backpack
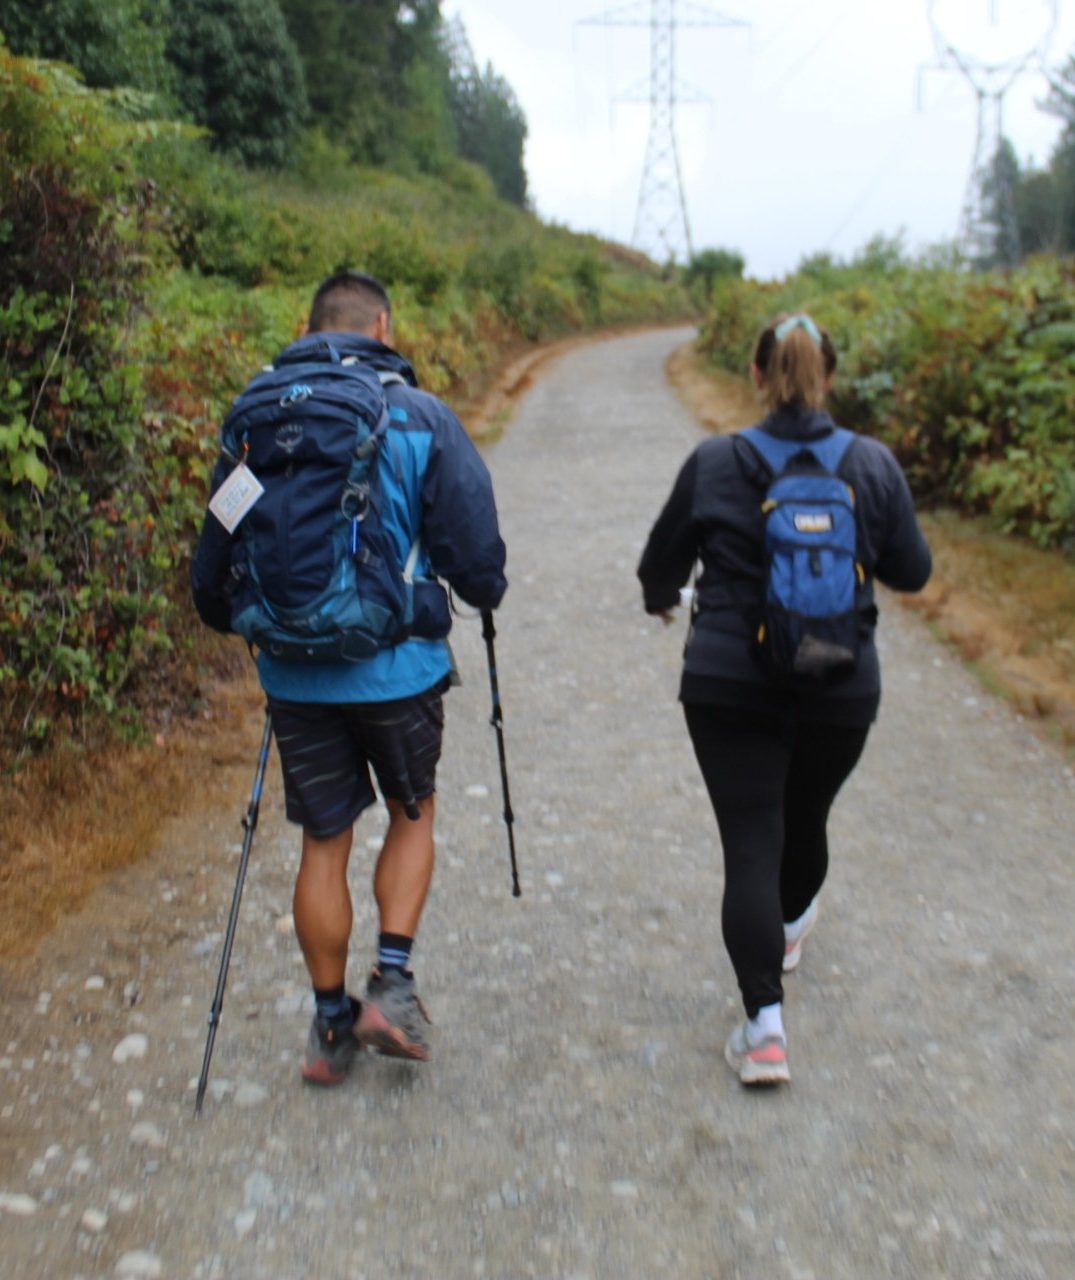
x,y
322,580
809,629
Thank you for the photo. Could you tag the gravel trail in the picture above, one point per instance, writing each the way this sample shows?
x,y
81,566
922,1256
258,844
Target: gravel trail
x,y
578,1120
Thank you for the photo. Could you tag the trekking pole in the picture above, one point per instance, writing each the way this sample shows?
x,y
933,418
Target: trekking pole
x,y
250,822
497,721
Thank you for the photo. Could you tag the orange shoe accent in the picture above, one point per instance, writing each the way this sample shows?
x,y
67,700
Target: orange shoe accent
x,y
375,1031
321,1073
768,1054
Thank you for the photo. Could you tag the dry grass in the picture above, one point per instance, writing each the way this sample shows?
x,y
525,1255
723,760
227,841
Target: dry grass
x,y
720,401
75,815
1009,609
1006,607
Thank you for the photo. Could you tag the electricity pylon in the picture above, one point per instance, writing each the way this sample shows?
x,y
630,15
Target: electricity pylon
x,y
988,229
662,227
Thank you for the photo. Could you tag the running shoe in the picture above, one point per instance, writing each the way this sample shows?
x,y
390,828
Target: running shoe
x,y
764,1063
392,1016
794,935
330,1048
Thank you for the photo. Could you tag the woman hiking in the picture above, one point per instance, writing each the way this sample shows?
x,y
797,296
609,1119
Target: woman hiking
x,y
777,734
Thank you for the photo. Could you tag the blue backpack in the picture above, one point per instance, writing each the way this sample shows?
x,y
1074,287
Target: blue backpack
x,y
809,632
322,578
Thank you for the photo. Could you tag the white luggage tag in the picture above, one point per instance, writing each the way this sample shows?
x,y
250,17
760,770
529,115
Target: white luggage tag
x,y
236,496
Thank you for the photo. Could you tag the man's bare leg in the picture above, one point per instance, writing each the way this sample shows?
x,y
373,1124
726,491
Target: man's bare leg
x,y
404,869
392,1016
322,907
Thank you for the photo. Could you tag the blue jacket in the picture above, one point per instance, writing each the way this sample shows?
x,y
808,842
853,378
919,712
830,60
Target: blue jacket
x,y
435,485
714,516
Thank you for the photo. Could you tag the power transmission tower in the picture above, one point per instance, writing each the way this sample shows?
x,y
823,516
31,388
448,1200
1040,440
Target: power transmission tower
x,y
988,228
662,227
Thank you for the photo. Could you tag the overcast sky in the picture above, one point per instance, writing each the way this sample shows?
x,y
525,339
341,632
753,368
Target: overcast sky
x,y
813,138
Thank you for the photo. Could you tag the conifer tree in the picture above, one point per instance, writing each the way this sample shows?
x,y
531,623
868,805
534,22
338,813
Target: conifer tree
x,y
239,74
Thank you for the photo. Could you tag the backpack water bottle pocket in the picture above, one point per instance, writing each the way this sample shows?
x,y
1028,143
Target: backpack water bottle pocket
x,y
378,577
432,613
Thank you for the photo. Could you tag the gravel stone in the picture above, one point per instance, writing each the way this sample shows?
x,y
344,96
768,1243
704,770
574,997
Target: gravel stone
x,y
130,1049
139,1265
19,1206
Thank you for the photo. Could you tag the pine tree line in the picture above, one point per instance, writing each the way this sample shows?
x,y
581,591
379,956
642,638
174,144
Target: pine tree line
x,y
393,84
1030,209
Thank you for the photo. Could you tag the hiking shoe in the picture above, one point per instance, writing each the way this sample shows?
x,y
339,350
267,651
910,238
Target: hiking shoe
x,y
392,1016
330,1048
764,1063
794,935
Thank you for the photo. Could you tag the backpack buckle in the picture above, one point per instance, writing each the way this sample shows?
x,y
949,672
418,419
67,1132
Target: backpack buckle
x,y
299,392
355,501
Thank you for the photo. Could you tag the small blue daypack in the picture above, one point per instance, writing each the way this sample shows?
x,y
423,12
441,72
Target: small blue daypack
x,y
809,632
322,578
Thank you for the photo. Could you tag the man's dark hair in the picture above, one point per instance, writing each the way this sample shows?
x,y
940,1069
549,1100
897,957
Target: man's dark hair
x,y
348,302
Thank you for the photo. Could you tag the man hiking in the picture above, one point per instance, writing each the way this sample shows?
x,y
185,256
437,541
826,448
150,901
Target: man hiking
x,y
334,719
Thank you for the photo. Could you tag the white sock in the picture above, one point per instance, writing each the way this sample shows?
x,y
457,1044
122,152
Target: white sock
x,y
794,929
769,1022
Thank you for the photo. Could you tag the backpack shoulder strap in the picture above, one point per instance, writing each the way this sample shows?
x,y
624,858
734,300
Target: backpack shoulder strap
x,y
776,452
830,451
773,451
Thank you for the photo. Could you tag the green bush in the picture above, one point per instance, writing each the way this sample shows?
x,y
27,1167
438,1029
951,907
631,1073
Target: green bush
x,y
80,599
967,377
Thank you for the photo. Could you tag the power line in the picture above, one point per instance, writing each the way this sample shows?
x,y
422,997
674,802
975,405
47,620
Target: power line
x,y
806,57
895,153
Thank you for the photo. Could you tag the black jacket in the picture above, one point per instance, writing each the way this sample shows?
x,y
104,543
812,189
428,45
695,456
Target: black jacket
x,y
714,516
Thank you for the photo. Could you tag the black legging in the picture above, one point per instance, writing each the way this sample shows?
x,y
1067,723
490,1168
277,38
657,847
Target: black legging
x,y
772,780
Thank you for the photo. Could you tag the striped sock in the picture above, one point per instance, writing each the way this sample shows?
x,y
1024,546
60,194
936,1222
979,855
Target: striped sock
x,y
394,951
332,1003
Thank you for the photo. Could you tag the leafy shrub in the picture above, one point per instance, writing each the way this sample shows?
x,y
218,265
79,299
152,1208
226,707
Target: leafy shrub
x,y
503,271
967,377
80,598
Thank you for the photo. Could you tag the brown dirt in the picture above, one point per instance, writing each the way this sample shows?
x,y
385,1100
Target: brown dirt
x,y
1005,606
75,817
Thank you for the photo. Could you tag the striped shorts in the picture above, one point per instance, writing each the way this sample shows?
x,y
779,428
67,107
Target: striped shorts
x,y
327,752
